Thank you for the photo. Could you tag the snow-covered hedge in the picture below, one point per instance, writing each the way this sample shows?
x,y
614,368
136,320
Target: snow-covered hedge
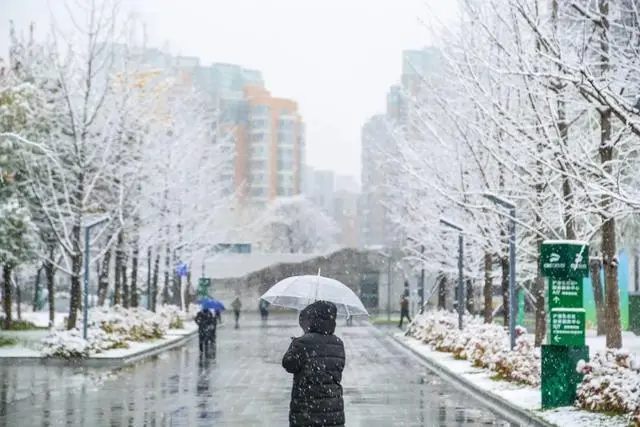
x,y
483,345
71,345
611,384
113,327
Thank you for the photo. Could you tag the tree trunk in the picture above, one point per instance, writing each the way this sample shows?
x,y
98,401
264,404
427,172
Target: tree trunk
x,y
7,296
540,296
470,299
18,301
442,291
103,278
595,266
76,267
487,289
37,287
50,277
125,282
176,280
187,292
117,283
504,282
154,282
608,230
134,274
167,274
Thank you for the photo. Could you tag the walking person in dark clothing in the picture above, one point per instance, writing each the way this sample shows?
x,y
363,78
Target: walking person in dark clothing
x,y
316,360
264,310
404,309
206,322
236,305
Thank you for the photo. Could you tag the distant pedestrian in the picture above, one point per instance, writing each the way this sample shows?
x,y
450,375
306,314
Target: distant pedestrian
x,y
404,308
264,310
206,322
236,305
316,360
218,316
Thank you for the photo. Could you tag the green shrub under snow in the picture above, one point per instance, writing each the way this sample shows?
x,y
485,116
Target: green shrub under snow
x,y
112,328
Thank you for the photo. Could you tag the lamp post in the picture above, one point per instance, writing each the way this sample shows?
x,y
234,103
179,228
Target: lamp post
x,y
512,262
460,269
85,305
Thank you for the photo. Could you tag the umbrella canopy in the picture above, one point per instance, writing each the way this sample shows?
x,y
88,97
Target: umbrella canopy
x,y
297,292
211,304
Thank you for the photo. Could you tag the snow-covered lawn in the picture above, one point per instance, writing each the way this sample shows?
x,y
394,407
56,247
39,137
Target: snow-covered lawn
x,y
112,332
479,354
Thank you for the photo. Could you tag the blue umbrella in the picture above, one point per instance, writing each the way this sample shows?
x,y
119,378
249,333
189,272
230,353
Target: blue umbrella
x,y
211,304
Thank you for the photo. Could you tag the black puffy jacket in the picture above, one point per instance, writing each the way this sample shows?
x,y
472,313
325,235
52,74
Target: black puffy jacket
x,y
316,361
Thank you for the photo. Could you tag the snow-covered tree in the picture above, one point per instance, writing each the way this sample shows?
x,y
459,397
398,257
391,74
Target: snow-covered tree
x,y
295,225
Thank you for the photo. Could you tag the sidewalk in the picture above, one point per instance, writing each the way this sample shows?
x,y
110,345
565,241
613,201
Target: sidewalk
x,y
28,354
505,397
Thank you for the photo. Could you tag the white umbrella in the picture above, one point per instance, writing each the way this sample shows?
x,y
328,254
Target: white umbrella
x,y
297,292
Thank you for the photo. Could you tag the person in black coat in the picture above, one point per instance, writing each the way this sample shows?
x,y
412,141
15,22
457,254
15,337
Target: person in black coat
x,y
206,322
316,360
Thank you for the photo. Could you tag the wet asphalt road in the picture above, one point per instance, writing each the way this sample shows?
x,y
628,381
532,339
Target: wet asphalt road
x,y
242,384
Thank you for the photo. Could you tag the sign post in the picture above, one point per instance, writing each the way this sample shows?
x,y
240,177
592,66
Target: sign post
x,y
564,265
204,284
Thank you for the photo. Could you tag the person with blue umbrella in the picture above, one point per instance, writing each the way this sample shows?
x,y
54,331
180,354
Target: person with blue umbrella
x,y
216,306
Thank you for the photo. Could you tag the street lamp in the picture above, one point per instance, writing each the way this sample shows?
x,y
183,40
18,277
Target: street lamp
x,y
460,269
512,262
87,234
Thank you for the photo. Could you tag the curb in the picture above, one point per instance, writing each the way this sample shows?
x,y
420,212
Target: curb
x,y
102,362
507,410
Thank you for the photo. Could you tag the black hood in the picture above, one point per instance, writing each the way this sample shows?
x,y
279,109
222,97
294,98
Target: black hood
x,y
319,317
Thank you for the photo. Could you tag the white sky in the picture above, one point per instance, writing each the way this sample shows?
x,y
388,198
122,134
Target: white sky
x,y
337,58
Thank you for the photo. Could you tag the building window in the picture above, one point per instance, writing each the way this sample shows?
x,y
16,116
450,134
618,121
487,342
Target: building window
x,y
258,136
258,165
258,150
258,124
259,110
285,158
285,125
258,192
285,138
284,191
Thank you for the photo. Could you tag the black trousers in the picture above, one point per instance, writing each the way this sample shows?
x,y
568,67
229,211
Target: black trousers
x,y
404,312
206,340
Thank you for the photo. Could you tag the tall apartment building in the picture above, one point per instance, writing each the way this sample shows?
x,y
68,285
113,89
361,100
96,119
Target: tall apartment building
x,y
374,223
376,228
320,187
270,146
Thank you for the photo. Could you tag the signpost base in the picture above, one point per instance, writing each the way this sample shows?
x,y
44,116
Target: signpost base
x,y
559,376
634,312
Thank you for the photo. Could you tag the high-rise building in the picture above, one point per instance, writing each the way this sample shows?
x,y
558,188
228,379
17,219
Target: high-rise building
x,y
378,144
270,146
374,223
320,188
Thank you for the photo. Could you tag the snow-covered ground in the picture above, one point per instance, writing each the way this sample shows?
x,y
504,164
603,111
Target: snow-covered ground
x,y
526,397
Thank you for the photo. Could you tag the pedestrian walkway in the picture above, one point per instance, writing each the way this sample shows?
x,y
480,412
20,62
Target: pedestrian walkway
x,y
245,385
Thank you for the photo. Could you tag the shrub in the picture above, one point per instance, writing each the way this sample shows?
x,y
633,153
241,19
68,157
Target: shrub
x,y
611,384
483,345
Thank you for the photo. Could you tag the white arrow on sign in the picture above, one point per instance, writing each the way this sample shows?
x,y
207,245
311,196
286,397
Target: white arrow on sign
x,y
556,338
556,299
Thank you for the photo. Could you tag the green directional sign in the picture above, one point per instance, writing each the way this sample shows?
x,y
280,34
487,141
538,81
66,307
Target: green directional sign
x,y
204,283
567,327
564,293
564,258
